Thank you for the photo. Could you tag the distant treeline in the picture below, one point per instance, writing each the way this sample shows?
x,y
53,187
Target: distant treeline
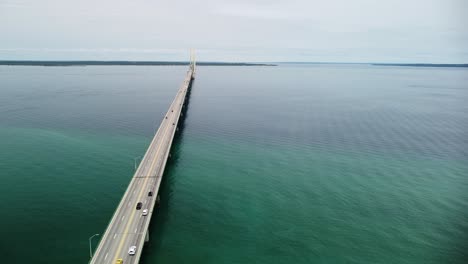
x,y
136,63
420,65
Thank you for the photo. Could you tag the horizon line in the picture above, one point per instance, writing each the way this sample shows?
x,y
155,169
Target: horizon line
x,y
182,62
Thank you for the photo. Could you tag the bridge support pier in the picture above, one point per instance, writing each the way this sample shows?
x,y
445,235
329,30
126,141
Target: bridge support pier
x,y
147,236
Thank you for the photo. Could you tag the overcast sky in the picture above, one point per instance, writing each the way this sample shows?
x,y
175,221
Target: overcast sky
x,y
236,30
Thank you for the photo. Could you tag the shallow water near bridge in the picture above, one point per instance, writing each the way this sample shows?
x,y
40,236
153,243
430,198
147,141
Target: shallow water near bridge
x,y
286,164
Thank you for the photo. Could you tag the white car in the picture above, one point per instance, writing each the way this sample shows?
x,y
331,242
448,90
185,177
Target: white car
x,y
145,212
131,250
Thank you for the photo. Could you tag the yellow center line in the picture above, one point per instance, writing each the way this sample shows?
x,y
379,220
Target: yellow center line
x,y
139,196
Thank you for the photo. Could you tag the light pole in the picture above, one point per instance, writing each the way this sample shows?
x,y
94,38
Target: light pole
x,y
90,250
135,161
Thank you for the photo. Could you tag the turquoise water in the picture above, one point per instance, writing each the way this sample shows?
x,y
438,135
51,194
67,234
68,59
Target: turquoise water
x,y
288,164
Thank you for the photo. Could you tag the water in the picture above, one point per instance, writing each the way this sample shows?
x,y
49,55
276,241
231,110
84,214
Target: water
x,y
288,164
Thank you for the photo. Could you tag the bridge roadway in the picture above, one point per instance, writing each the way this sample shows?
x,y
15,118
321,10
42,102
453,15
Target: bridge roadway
x,y
128,226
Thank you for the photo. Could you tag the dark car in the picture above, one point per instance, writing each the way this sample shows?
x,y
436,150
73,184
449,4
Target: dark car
x,y
139,206
150,194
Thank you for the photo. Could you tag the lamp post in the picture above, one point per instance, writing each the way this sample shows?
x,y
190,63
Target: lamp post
x,y
135,161
90,250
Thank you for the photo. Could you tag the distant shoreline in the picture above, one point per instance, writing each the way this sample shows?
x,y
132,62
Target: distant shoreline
x,y
207,63
124,63
421,65
459,65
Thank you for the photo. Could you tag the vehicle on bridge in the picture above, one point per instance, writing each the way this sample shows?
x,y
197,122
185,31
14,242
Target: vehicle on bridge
x,y
131,250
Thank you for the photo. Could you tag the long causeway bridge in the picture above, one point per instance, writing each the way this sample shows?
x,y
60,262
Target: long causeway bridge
x,y
129,226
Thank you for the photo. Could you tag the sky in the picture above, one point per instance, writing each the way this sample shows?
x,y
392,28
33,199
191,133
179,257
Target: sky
x,y
398,31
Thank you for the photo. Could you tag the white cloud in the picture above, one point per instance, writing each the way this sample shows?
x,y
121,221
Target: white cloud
x,y
296,30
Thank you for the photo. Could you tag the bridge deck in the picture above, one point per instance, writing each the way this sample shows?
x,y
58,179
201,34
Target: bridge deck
x,y
128,226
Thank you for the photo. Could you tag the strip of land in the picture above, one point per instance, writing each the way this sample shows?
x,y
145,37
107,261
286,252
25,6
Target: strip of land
x,y
383,64
132,63
421,65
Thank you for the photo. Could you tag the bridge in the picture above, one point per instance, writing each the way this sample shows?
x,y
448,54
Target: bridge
x,y
129,224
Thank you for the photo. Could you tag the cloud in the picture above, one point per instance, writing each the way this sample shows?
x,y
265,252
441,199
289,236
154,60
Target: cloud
x,y
296,30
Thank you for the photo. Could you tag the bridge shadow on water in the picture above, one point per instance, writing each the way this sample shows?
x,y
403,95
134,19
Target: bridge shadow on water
x,y
161,214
